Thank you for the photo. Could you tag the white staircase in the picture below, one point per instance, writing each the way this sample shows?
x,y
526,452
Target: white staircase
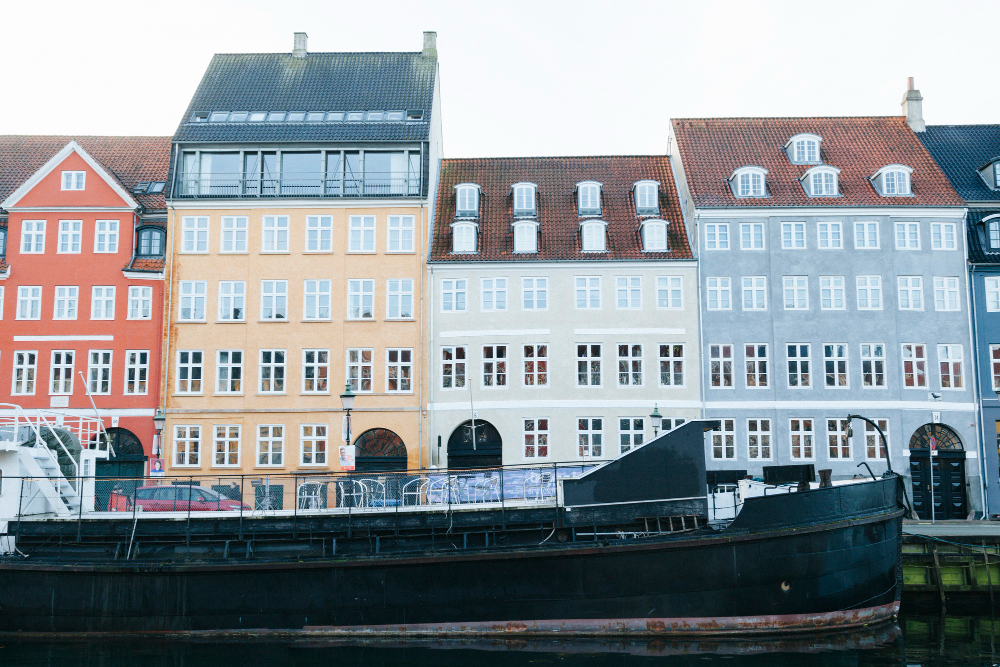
x,y
41,465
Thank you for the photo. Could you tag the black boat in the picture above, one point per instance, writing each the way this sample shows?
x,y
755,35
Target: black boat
x,y
626,547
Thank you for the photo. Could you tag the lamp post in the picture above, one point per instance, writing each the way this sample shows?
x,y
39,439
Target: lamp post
x,y
159,419
655,419
885,444
347,399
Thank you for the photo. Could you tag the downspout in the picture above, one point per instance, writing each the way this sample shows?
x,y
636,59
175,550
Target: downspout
x,y
974,374
701,328
420,399
165,362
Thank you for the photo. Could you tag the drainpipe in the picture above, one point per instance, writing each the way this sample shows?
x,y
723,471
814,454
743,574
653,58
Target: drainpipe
x,y
169,277
974,374
420,320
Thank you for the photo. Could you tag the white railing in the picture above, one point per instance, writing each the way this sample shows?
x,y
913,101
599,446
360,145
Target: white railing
x,y
20,425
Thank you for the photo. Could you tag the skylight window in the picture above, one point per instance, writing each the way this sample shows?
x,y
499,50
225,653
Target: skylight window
x,y
414,114
276,117
200,116
238,117
257,117
335,117
355,116
315,116
375,116
524,199
156,187
296,117
646,199
588,198
394,115
804,149
148,187
140,188
218,117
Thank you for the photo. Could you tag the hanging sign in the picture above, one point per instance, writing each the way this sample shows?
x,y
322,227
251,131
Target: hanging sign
x,y
347,457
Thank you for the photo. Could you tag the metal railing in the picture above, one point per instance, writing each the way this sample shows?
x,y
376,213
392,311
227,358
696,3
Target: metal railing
x,y
44,428
299,184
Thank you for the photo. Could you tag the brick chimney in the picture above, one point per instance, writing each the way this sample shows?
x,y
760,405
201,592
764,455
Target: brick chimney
x,y
299,49
431,45
912,105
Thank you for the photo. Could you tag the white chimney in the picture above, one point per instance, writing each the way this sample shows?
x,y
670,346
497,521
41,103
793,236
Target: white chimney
x,y
431,45
299,50
912,105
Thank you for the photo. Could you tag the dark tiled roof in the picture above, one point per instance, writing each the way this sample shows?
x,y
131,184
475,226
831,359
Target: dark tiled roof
x,y
978,250
318,82
556,178
961,150
712,148
130,160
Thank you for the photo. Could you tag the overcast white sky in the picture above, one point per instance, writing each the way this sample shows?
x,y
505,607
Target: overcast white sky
x,y
540,77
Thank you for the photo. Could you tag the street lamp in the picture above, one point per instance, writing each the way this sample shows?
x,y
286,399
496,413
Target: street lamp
x,y
159,419
885,445
347,399
655,419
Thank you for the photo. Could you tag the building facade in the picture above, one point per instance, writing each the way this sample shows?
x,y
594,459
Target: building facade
x,y
832,273
298,231
530,259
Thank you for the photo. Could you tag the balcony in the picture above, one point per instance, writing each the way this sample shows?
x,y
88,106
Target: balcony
x,y
299,185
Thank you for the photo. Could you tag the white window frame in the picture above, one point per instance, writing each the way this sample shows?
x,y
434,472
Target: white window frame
x,y
753,236
314,445
535,437
992,287
873,443
190,376
802,435
628,292
838,444
229,375
526,236
716,236
316,363
866,235
454,366
588,292
399,370
234,232
536,365
494,365
670,292
590,437
273,300
32,237
654,236
274,234
759,440
907,235
793,235
454,295
721,359
895,183
944,236
70,239
194,235
464,237
914,363
316,297
588,198
994,364
224,437
589,366
319,234
272,371
823,182
873,366
947,294
193,297
29,302
829,235
869,292
232,296
631,433
361,234
62,368
630,365
99,371
805,150
535,291
672,365
399,299
951,371
798,365
187,445
106,236
467,200
798,288
270,446
910,292
839,355
361,299
593,236
749,183
73,180
724,441
493,294
136,372
524,199
401,234
102,302
646,195
140,303
66,300
754,292
718,293
832,293
24,374
756,362
360,369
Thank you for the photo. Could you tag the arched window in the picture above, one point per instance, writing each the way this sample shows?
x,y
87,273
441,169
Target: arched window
x,y
526,236
935,436
463,237
893,180
646,197
588,198
748,181
654,236
821,181
593,235
151,241
467,200
804,148
524,199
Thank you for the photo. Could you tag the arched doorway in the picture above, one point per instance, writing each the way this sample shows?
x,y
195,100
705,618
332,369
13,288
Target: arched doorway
x,y
486,452
379,450
123,471
937,473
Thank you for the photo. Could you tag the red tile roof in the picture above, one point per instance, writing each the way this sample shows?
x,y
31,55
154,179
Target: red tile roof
x,y
130,160
712,148
556,178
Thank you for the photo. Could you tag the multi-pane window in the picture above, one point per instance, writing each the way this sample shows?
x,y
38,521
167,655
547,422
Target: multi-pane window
x,y
835,362
806,151
194,234
534,293
588,292
192,301
319,233
671,365
361,233
274,233
400,233
801,438
494,294
628,292
943,236
866,235
151,241
316,300
140,303
993,228
227,445
950,366
872,365
752,235
29,302
189,371
360,369
453,293
838,443
995,366
896,182
869,292
399,299
589,198
719,292
232,300
793,235
755,356
631,433
106,236
536,438
32,237
536,365
270,444
229,372
274,300
24,373
399,370
187,445
754,292
62,372
313,444
70,234
453,367
102,303
136,371
717,236
796,292
830,235
526,237
914,365
945,293
271,371
467,200
645,198
720,359
831,293
670,292
234,233
799,372
654,235
463,237
593,236
759,439
911,292
99,371
992,295
908,236
494,365
1,301
588,365
629,365
822,183
73,180
751,184
66,299
315,371
724,440
590,436
874,447
524,199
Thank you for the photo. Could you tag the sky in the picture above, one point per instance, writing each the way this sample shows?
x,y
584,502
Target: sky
x,y
542,77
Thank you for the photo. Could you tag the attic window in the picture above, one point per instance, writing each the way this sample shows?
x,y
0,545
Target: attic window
x,y
749,181
296,117
588,198
218,117
654,236
257,117
335,117
803,149
593,233
315,117
463,237
893,180
140,188
200,116
73,180
375,116
646,199
238,117
996,175
156,187
276,117
148,187
467,200
821,181
526,236
394,115
3,241
414,114
355,116
524,199
993,234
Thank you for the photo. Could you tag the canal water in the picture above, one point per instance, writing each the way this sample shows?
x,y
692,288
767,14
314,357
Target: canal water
x,y
916,640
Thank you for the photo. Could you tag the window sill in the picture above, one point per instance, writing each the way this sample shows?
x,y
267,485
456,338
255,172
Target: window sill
x,y
229,466
234,252
314,465
138,319
192,252
192,321
361,252
226,393
360,319
389,392
400,319
317,252
230,321
400,252
272,393
317,319
275,252
273,321
198,394
314,393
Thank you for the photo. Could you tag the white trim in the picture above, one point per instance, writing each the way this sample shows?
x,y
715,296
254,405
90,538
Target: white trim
x,y
629,332
143,275
70,209
840,405
441,265
741,212
27,339
525,405
320,203
476,333
89,412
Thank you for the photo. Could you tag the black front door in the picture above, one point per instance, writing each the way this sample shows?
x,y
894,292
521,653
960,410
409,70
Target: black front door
x,y
942,478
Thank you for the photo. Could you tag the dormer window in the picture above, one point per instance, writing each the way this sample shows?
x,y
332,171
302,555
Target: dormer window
x,y
646,195
654,236
151,242
992,234
748,182
3,241
463,237
73,180
990,173
804,149
893,180
526,236
588,198
821,181
593,232
996,175
524,199
467,198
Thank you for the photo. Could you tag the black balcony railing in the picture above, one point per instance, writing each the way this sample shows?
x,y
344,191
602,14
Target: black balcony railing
x,y
229,185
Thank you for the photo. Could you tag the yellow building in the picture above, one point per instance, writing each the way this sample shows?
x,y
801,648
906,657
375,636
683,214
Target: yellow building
x,y
297,242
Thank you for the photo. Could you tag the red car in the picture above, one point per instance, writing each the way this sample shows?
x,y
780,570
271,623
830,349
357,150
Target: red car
x,y
181,498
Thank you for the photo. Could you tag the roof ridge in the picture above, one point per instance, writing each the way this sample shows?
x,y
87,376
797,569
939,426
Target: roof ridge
x,y
552,157
787,117
324,53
